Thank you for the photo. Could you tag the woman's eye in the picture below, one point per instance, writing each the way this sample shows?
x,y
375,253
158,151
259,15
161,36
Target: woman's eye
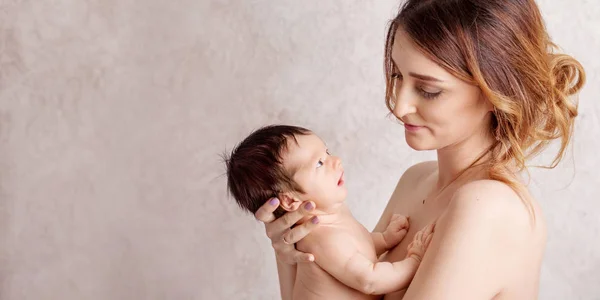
x,y
327,151
319,163
396,76
429,95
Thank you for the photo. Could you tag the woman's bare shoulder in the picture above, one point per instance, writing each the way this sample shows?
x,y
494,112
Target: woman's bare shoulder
x,y
485,228
494,200
417,172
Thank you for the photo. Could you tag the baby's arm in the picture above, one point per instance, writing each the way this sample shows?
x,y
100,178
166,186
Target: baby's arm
x,y
392,236
338,257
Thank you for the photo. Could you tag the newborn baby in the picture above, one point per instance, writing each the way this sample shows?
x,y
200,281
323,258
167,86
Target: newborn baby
x,y
294,165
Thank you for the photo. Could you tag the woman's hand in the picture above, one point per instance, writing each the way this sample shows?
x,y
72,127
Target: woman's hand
x,y
282,236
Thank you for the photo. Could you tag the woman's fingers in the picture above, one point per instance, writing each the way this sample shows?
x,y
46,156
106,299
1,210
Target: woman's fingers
x,y
294,256
277,228
289,219
265,212
299,232
301,257
282,236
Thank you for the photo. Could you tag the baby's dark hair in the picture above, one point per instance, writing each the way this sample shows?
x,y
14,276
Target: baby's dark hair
x,y
255,171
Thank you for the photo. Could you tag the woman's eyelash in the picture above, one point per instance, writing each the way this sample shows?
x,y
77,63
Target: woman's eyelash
x,y
425,94
429,95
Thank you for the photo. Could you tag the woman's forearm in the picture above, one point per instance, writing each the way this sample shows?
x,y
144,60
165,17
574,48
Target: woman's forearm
x,y
287,277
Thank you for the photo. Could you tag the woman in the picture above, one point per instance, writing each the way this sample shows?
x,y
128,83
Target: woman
x,y
478,81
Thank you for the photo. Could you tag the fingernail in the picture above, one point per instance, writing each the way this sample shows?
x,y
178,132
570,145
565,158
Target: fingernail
x,y
315,220
308,206
274,201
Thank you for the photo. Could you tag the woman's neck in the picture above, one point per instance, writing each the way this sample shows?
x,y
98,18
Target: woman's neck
x,y
454,159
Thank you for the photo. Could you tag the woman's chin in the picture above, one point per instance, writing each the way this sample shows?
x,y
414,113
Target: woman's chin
x,y
418,144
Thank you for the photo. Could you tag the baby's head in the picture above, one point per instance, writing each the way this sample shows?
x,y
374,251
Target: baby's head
x,y
287,162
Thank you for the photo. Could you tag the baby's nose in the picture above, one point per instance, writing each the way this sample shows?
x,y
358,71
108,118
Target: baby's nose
x,y
338,163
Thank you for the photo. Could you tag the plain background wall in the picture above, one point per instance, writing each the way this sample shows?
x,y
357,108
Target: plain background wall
x,y
113,114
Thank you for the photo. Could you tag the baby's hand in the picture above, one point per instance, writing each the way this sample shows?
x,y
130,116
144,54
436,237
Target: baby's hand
x,y
396,230
419,245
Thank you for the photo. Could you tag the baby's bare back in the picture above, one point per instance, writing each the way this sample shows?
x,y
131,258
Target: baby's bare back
x,y
312,282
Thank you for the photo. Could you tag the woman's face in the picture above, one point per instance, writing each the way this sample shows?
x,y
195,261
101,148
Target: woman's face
x,y
438,110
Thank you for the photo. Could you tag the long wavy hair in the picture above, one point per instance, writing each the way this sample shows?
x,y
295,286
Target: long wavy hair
x,y
502,47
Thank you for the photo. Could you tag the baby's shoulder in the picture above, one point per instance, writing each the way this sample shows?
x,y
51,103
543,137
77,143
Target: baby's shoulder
x,y
324,238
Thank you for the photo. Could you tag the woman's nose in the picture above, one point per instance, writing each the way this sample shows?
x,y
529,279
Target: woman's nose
x,y
404,104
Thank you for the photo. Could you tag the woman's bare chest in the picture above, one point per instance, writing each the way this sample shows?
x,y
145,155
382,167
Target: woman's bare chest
x,y
420,215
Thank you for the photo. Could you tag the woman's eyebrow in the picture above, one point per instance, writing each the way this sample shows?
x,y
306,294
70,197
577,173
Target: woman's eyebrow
x,y
424,77
418,76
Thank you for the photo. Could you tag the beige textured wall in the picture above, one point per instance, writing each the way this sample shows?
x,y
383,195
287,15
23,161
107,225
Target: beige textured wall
x,y
113,113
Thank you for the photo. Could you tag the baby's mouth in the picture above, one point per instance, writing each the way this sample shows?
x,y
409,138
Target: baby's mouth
x,y
341,180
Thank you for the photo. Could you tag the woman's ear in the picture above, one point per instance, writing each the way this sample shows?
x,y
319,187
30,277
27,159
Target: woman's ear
x,y
289,201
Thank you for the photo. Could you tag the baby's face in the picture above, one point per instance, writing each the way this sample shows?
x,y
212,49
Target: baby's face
x,y
320,174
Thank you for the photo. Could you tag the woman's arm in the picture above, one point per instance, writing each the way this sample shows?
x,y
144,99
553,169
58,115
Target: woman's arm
x,y
476,245
283,239
287,277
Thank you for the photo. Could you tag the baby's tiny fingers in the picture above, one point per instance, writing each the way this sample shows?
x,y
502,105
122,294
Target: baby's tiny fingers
x,y
428,240
431,228
418,236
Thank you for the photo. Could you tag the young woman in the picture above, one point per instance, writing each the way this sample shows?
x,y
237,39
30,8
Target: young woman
x,y
479,82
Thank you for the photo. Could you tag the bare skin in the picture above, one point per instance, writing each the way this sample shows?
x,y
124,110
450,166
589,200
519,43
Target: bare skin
x,y
485,270
487,244
346,264
346,253
455,266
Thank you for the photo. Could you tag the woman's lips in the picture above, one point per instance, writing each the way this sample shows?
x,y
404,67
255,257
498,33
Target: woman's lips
x,y
412,128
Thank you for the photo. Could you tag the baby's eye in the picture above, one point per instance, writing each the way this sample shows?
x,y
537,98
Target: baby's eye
x,y
319,163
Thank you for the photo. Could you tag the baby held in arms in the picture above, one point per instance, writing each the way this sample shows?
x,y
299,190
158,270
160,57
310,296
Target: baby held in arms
x,y
294,165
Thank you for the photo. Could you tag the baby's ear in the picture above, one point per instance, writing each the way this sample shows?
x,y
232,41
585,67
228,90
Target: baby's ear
x,y
289,201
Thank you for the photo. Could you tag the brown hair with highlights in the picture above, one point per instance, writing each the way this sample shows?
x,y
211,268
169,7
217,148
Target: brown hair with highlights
x,y
501,46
